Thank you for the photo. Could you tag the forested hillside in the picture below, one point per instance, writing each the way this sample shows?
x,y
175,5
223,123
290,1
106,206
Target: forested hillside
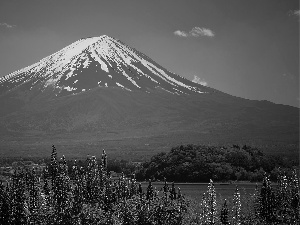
x,y
197,163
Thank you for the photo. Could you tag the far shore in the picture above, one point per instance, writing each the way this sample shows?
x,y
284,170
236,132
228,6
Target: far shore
x,y
203,183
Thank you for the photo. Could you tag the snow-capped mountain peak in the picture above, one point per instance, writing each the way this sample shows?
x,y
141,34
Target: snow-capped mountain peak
x,y
98,62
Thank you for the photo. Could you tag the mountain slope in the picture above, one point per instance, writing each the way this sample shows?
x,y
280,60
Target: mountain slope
x,y
100,92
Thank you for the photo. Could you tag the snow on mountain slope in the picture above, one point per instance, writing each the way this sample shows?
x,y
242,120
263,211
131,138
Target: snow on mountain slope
x,y
98,61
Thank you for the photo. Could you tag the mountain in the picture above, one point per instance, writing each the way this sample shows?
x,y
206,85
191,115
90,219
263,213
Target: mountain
x,y
97,62
99,92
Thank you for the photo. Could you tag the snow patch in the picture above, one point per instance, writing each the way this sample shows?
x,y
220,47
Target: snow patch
x,y
130,79
120,85
86,63
52,81
97,58
70,88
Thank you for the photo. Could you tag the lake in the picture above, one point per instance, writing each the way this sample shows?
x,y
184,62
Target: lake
x,y
196,190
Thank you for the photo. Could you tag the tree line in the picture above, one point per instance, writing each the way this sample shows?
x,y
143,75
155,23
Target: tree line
x,y
200,163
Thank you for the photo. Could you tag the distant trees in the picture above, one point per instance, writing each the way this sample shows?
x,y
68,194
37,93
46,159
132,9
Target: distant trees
x,y
195,163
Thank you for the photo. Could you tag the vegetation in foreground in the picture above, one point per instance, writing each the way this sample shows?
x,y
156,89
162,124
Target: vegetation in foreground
x,y
90,196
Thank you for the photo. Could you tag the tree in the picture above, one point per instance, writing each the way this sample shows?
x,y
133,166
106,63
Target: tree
x,y
267,201
140,191
93,180
150,191
236,208
212,203
62,198
104,160
61,188
35,201
173,192
204,210
19,209
224,214
53,166
132,187
295,196
4,206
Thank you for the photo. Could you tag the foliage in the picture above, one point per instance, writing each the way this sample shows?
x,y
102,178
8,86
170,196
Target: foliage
x,y
198,163
266,206
93,197
236,208
90,197
224,214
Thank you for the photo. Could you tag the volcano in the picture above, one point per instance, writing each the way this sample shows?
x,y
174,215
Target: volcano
x,y
100,93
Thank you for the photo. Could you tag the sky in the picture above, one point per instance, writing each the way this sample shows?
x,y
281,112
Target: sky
x,y
248,49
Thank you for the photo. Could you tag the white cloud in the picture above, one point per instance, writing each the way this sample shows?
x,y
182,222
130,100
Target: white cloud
x,y
195,32
297,12
294,13
180,33
198,80
6,25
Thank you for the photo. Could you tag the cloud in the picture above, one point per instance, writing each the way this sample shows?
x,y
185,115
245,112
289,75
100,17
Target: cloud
x,y
6,25
294,13
288,76
180,33
195,32
198,80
